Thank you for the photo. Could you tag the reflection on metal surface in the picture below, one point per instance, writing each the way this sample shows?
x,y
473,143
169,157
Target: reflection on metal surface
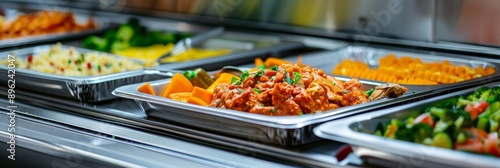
x,y
469,21
387,18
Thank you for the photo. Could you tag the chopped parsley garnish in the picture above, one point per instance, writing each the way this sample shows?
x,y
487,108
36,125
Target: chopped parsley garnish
x,y
235,81
82,56
274,68
244,75
274,110
69,61
369,92
260,73
120,63
79,69
257,90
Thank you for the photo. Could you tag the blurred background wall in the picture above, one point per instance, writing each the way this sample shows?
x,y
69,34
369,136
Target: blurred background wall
x,y
475,22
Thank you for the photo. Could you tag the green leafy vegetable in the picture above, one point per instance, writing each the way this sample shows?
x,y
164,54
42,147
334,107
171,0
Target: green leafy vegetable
x,y
274,68
296,77
257,90
288,78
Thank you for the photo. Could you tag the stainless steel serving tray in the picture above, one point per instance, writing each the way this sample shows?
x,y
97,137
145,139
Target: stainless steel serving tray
x,y
327,60
280,130
88,89
244,48
101,25
396,153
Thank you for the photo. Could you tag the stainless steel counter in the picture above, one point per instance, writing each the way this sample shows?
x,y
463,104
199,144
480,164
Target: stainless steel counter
x,y
84,142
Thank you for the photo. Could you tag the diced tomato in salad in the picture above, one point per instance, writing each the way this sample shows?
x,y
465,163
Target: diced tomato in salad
x,y
476,109
424,118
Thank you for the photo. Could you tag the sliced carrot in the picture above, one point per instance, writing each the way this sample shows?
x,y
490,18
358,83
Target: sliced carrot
x,y
258,62
202,94
179,83
223,78
195,100
180,96
146,88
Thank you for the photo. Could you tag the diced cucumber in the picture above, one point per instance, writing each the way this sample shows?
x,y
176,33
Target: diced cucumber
x,y
459,122
439,112
441,126
496,115
493,125
427,141
442,140
461,138
482,123
492,108
421,132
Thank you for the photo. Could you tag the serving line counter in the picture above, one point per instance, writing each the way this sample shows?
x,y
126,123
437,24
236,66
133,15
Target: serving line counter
x,y
46,138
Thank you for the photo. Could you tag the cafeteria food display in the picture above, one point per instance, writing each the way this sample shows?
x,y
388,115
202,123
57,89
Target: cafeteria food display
x,y
282,90
408,70
43,22
133,40
70,62
469,123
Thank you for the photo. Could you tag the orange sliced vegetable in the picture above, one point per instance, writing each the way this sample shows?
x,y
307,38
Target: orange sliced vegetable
x,y
299,62
258,62
275,61
180,96
223,78
195,100
202,94
179,83
146,88
407,70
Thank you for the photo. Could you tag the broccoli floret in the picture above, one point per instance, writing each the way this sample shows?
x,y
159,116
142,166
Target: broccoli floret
x,y
125,32
95,43
110,35
163,38
476,95
141,41
447,104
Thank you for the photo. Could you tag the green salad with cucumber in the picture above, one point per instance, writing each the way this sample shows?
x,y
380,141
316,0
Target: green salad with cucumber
x,y
469,123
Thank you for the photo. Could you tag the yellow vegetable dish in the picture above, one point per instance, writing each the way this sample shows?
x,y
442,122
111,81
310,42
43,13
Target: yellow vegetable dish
x,y
151,53
69,62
